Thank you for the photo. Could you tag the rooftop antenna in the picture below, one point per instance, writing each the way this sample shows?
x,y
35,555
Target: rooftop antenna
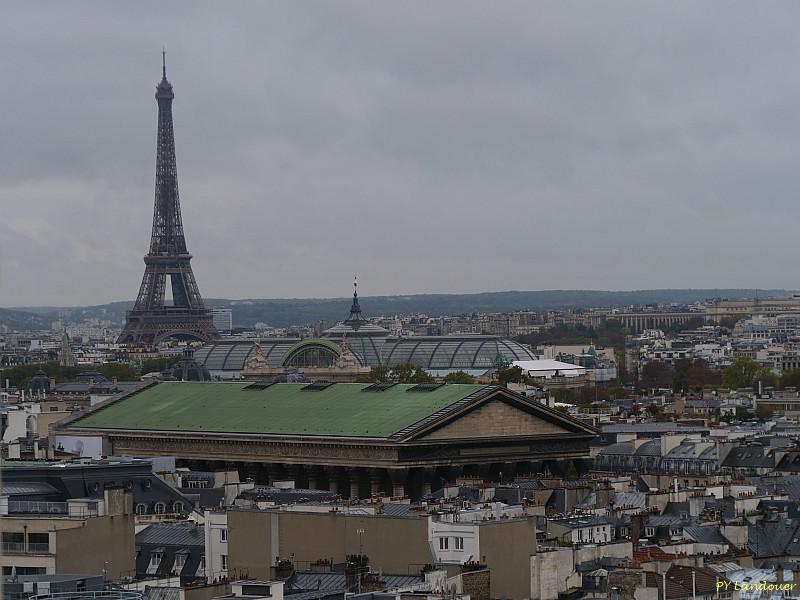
x,y
164,61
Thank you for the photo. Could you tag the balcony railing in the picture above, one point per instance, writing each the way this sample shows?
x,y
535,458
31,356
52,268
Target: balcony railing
x,y
49,509
35,507
32,548
13,546
99,595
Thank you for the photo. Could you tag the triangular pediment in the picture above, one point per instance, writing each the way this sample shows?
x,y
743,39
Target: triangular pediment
x,y
500,417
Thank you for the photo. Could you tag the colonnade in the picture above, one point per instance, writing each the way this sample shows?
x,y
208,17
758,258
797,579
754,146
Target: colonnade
x,y
638,322
362,482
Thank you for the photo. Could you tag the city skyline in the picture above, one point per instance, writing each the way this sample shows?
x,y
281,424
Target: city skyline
x,y
476,150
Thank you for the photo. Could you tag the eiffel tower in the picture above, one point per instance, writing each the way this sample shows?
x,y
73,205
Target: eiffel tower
x,y
152,319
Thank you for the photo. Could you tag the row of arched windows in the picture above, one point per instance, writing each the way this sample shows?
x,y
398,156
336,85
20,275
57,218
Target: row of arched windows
x,y
159,508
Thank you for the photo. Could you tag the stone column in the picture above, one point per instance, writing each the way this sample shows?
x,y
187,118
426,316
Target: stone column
x,y
314,473
354,475
333,479
398,478
428,480
295,473
262,475
274,473
508,469
376,481
483,471
445,475
252,471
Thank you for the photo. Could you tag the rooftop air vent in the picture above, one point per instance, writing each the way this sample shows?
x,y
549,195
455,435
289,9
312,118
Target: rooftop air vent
x,y
378,387
425,387
259,385
318,386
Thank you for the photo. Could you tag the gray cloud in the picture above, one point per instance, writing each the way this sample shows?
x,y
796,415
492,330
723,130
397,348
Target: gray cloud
x,y
441,147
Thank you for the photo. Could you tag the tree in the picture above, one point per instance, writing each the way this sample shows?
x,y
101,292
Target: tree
x,y
680,383
153,365
377,374
459,377
745,372
510,375
791,378
420,375
656,374
403,373
654,410
118,371
614,389
21,375
763,412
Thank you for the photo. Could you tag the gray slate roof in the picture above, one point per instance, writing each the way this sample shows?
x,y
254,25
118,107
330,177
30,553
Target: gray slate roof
x,y
628,499
336,582
748,456
174,534
14,488
705,534
774,539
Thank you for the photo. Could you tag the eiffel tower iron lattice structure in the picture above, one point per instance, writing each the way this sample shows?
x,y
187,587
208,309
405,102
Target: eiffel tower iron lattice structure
x,y
152,318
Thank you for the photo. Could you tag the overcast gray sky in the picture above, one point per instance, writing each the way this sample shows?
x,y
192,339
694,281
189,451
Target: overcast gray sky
x,y
427,146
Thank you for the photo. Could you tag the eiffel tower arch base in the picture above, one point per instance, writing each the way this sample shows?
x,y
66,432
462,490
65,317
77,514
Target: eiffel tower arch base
x,y
149,329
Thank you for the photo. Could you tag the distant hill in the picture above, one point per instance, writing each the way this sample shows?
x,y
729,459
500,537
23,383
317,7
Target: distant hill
x,y
17,320
298,311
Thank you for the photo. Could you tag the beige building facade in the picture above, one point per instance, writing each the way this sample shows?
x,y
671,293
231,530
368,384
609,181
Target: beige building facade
x,y
257,539
85,536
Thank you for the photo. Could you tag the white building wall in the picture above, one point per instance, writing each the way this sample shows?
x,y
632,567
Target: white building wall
x,y
216,529
17,419
452,532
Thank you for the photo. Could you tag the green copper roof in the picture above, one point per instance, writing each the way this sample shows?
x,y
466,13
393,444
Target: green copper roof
x,y
342,409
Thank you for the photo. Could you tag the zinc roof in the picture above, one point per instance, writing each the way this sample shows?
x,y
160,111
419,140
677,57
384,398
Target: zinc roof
x,y
339,410
171,534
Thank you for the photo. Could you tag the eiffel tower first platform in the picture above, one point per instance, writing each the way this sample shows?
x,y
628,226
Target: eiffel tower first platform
x,y
152,319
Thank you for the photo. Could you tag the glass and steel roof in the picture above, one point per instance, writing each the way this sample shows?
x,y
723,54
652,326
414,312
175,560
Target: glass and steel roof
x,y
453,352
231,356
430,352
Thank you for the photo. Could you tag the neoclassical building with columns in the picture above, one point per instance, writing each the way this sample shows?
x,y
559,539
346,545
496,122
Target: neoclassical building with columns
x,y
350,438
